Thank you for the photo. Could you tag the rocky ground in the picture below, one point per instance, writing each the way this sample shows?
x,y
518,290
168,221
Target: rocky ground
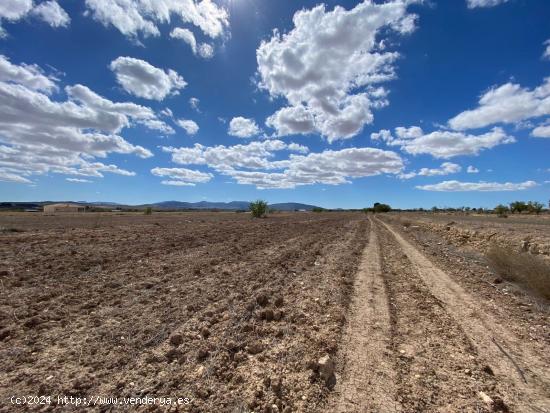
x,y
305,312
230,312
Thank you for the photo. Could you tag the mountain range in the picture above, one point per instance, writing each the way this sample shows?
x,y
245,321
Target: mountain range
x,y
168,205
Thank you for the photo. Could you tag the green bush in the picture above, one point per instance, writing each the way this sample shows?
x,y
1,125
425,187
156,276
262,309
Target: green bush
x,y
258,208
501,210
317,209
378,207
148,211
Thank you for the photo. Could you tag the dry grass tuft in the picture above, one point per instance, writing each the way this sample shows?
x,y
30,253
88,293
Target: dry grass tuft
x,y
525,269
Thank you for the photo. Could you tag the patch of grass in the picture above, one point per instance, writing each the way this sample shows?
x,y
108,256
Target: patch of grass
x,y
531,271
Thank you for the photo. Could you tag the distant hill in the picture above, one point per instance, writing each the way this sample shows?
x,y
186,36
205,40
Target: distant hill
x,y
168,205
233,206
292,206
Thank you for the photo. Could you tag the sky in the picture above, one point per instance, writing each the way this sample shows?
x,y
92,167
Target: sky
x,y
339,104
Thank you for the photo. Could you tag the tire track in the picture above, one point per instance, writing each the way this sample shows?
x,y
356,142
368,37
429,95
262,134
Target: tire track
x,y
367,383
437,368
524,377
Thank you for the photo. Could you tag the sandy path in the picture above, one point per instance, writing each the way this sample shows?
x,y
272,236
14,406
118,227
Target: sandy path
x,y
367,383
525,377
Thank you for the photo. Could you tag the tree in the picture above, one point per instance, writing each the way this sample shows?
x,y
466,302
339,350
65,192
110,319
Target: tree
x,y
378,207
258,208
318,209
501,210
518,206
148,211
535,207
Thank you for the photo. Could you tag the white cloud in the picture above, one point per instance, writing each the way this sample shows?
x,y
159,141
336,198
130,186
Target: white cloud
x,y
181,176
472,169
484,3
243,127
456,186
135,17
79,180
542,131
52,13
144,80
39,135
48,11
186,35
446,168
30,76
509,103
253,164
327,65
206,51
190,127
443,144
546,54
194,103
6,176
15,9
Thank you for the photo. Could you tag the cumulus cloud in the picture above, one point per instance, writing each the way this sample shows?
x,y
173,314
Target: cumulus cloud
x,y
204,50
442,144
190,127
243,127
542,131
446,168
30,76
253,164
457,186
48,11
39,135
509,103
141,17
181,176
546,54
472,169
472,4
327,67
52,13
144,80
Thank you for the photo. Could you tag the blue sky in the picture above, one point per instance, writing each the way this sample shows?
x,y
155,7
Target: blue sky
x,y
407,102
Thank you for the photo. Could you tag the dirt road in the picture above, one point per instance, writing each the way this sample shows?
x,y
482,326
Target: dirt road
x,y
417,341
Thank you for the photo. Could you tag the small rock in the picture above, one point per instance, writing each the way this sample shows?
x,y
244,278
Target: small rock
x,y
205,332
255,348
279,301
176,340
202,354
497,280
277,315
262,299
326,367
524,245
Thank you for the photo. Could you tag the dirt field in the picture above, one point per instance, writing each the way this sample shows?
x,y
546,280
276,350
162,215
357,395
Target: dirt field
x,y
242,315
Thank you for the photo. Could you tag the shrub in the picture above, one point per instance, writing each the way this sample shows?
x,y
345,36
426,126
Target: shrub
x,y
317,209
525,269
501,210
378,207
518,206
148,211
258,208
534,207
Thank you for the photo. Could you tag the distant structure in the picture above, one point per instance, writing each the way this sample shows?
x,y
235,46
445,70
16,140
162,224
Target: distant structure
x,y
57,208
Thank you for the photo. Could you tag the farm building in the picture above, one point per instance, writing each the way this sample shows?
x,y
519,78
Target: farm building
x,y
56,208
